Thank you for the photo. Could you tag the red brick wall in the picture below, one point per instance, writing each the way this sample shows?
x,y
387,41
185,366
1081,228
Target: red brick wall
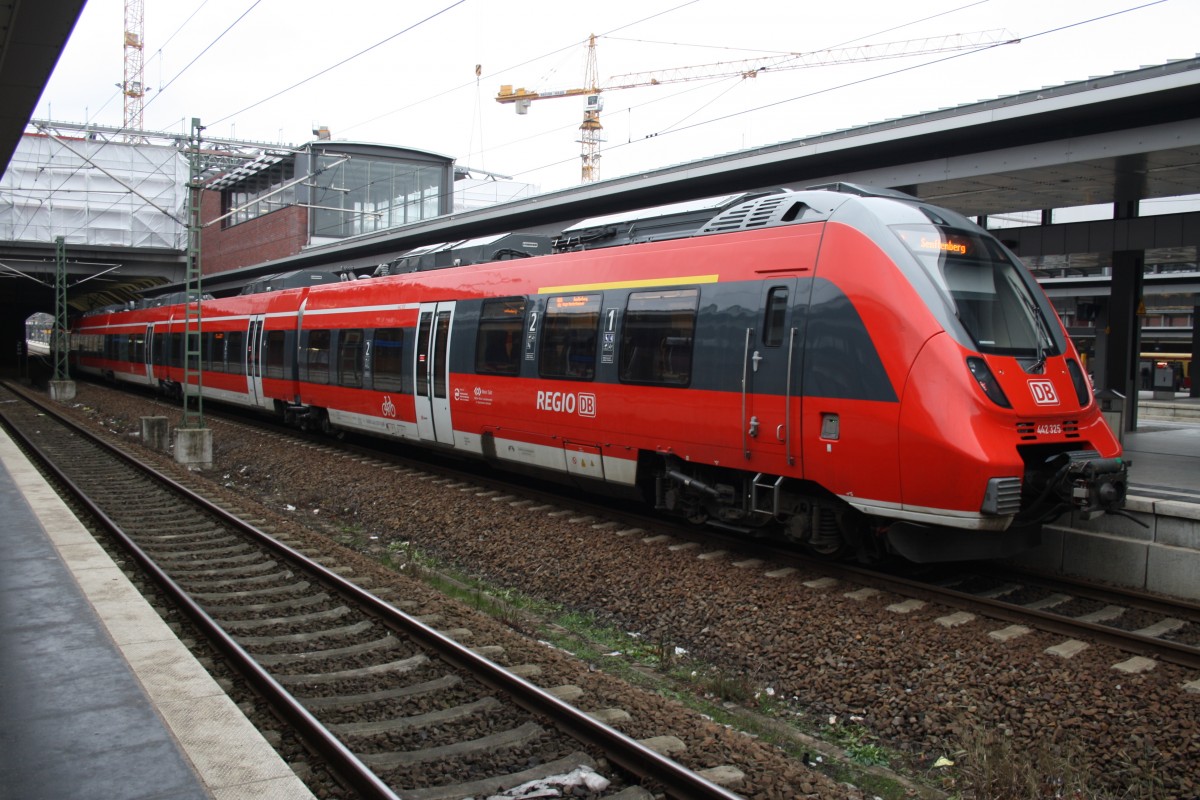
x,y
275,235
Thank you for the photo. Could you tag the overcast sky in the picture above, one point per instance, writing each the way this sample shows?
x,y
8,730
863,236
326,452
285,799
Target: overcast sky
x,y
403,73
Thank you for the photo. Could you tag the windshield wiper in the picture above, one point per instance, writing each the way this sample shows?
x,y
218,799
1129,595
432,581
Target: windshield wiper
x,y
1041,334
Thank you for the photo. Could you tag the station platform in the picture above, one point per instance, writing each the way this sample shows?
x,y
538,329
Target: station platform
x,y
1165,449
98,697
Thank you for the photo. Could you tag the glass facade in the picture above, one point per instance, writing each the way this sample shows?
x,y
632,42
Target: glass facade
x,y
364,194
259,194
350,189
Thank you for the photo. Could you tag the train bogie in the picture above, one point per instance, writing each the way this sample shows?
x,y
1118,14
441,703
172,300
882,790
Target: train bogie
x,y
849,371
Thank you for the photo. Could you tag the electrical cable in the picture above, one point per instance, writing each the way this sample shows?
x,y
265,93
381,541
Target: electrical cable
x,y
848,84
202,52
503,70
343,61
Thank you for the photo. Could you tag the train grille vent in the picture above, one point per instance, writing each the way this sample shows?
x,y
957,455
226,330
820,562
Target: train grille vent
x,y
1003,496
1028,431
758,213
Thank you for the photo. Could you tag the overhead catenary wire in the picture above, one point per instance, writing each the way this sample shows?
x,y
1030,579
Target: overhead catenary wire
x,y
344,61
845,85
491,75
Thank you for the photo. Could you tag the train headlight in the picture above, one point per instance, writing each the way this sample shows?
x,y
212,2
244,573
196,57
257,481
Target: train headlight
x,y
987,381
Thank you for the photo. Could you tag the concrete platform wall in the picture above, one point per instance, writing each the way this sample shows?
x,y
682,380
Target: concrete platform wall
x,y
1163,557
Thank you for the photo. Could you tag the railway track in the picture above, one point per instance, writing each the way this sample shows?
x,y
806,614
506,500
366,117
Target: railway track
x,y
395,707
1164,628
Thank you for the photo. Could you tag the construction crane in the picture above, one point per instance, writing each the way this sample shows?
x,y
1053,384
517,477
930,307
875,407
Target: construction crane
x,y
592,132
133,87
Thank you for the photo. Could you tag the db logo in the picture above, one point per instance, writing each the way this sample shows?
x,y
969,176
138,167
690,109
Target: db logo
x,y
583,403
587,405
1043,393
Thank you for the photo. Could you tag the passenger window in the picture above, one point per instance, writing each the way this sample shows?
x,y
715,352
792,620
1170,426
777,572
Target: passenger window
x,y
386,362
275,355
657,336
316,357
776,316
350,358
137,347
568,348
235,352
498,344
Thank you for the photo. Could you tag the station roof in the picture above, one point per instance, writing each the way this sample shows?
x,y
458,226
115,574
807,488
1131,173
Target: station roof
x,y
33,34
1129,136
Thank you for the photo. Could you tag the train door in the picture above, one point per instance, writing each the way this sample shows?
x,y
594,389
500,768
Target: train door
x,y
431,384
771,383
254,336
148,354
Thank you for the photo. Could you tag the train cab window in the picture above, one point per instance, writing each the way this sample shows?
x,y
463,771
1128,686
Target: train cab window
x,y
386,360
994,299
568,348
656,337
316,357
498,344
776,316
275,356
350,358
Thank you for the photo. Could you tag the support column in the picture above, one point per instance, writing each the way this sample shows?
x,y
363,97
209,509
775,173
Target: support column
x,y
1124,331
193,440
1192,373
62,388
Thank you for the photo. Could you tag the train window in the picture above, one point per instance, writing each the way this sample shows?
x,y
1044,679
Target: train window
x,y
350,358
275,356
386,360
441,341
235,352
498,344
212,352
776,316
316,357
175,350
568,347
656,337
137,347
994,299
422,366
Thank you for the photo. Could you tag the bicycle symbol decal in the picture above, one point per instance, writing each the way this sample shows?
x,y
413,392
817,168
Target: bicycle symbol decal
x,y
389,408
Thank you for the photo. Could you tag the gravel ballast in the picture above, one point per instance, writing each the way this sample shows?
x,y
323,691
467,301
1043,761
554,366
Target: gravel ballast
x,y
835,662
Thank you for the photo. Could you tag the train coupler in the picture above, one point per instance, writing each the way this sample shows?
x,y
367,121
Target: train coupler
x,y
1097,485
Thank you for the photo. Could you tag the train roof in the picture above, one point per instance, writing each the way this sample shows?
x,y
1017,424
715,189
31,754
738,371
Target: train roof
x,y
711,215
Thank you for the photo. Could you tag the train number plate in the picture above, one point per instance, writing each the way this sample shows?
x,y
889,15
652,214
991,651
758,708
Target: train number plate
x,y
1049,429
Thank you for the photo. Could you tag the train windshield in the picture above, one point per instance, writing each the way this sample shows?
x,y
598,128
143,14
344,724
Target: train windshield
x,y
989,293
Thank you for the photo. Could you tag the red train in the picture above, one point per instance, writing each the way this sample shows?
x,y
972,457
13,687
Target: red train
x,y
852,368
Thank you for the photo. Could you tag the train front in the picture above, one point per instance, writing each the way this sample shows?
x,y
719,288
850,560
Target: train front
x,y
1000,404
